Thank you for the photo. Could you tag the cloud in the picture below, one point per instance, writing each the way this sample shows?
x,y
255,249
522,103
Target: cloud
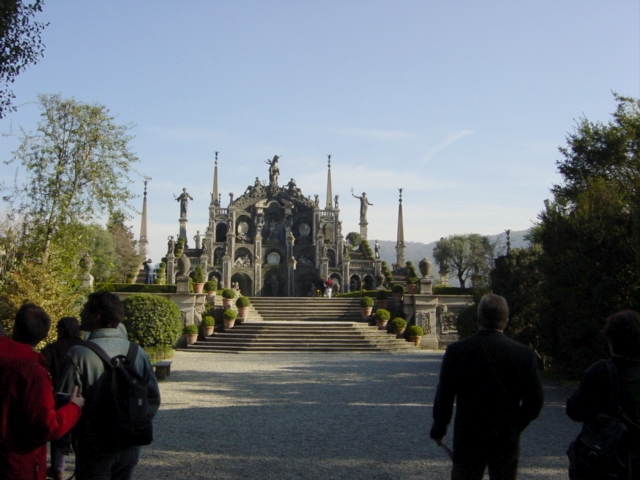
x,y
448,141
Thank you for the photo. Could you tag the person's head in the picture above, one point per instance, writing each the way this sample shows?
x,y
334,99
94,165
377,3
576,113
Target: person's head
x,y
622,331
32,324
68,327
102,310
493,312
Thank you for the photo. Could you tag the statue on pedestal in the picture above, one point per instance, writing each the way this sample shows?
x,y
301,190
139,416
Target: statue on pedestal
x,y
184,202
364,204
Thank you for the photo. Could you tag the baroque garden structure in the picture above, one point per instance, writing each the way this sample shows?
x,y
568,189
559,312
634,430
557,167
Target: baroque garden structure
x,y
272,240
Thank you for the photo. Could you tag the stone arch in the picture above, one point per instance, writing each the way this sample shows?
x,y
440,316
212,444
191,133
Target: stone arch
x,y
221,232
244,281
369,282
307,284
218,253
331,253
243,258
273,285
354,283
336,278
215,275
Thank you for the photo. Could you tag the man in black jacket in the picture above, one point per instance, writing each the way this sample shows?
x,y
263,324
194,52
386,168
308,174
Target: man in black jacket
x,y
496,385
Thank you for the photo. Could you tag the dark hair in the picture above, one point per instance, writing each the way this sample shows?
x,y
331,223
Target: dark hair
x,y
68,327
493,312
32,324
108,305
622,331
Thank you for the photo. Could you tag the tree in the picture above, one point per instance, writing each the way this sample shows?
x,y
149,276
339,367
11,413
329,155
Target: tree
x,y
127,259
467,256
20,45
77,167
354,239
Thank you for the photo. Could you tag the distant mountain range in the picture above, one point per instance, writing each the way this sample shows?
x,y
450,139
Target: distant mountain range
x,y
416,251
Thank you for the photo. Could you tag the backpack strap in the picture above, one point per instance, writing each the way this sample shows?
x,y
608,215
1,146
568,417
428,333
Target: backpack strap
x,y
98,350
132,353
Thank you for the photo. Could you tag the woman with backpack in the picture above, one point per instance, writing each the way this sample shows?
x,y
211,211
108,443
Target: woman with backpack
x,y
608,400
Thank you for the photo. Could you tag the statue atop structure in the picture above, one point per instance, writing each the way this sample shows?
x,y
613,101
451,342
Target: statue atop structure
x,y
184,202
364,204
274,171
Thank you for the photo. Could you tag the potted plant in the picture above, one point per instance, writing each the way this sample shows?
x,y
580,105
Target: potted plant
x,y
210,288
190,333
208,324
397,326
366,307
398,292
383,298
227,297
243,307
382,316
414,334
229,318
198,279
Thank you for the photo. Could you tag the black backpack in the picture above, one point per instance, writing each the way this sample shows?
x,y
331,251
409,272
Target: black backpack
x,y
602,450
121,417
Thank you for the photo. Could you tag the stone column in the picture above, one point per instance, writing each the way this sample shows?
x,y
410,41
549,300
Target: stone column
x,y
363,229
171,268
346,284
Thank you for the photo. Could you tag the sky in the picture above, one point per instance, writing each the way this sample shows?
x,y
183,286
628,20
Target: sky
x,y
463,105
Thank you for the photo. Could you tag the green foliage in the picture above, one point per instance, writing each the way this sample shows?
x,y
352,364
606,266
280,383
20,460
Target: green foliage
x,y
243,302
397,289
412,276
367,249
229,314
228,293
387,273
396,324
382,294
210,286
414,331
467,256
156,354
76,167
152,320
366,302
20,44
382,314
354,239
208,321
190,330
126,259
198,275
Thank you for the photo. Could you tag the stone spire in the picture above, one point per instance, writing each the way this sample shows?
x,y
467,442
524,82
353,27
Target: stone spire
x,y
215,196
143,243
329,192
400,243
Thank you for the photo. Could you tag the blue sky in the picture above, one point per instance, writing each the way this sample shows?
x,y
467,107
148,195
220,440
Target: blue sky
x,y
462,104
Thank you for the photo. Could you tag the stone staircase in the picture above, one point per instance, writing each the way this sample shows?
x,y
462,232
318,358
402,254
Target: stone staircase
x,y
298,324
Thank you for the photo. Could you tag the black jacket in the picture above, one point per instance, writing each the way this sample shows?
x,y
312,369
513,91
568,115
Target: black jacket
x,y
496,385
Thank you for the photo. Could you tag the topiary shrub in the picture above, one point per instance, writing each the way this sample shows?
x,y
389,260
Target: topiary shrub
x,y
198,275
243,302
208,321
414,331
151,320
210,286
229,314
382,314
190,330
397,324
366,302
228,293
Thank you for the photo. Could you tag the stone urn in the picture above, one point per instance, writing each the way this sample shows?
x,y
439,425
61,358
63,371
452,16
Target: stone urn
x,y
184,265
425,267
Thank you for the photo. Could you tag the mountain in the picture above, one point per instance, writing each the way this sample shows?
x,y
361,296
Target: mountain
x,y
416,251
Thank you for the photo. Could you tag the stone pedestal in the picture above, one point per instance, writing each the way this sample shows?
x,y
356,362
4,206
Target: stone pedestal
x,y
425,287
363,230
182,283
87,280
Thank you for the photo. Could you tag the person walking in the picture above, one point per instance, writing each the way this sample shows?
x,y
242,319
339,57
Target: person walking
x,y
68,329
28,415
595,393
496,385
102,455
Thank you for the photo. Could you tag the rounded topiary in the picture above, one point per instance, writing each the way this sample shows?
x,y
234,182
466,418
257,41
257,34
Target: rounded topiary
x,y
382,294
397,289
397,324
198,275
366,302
152,320
208,321
382,314
414,331
190,330
228,293
243,302
210,286
229,314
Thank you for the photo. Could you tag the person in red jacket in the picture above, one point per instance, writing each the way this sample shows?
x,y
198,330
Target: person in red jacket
x,y
28,416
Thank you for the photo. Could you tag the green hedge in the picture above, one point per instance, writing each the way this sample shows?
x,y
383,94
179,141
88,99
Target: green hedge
x,y
152,320
134,287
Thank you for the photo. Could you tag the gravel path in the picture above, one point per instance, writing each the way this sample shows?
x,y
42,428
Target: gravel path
x,y
319,416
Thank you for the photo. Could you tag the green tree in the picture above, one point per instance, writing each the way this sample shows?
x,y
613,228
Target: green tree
x,y
20,45
77,167
354,239
467,256
127,260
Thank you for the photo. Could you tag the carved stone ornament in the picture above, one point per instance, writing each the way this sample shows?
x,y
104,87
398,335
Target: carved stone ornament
x,y
184,264
425,267
273,258
304,229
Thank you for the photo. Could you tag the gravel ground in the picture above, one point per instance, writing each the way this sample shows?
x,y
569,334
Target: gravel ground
x,y
319,416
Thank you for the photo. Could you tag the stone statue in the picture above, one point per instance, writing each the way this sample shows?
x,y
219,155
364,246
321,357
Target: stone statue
x,y
184,202
335,199
316,200
274,171
364,203
197,238
171,244
377,249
